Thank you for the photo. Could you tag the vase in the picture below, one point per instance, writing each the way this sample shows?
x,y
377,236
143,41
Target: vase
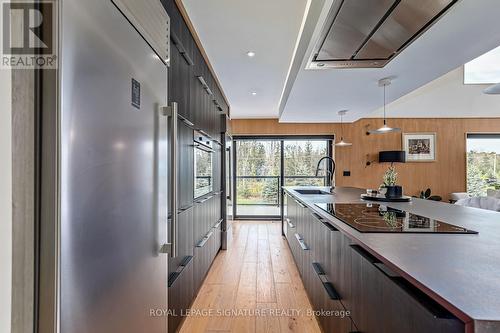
x,y
395,191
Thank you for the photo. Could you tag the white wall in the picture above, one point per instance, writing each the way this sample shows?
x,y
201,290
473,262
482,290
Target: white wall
x,y
445,97
5,201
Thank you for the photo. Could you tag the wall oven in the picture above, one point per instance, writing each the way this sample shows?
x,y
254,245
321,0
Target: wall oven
x,y
203,164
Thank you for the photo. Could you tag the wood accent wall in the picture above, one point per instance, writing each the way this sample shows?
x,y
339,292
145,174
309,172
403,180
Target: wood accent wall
x,y
444,176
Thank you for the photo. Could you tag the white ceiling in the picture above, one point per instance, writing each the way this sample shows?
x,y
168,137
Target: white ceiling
x,y
228,29
445,97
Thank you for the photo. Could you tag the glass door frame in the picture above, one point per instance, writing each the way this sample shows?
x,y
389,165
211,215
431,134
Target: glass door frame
x,y
282,138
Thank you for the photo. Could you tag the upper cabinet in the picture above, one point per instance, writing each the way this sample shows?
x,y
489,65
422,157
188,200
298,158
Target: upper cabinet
x,y
191,83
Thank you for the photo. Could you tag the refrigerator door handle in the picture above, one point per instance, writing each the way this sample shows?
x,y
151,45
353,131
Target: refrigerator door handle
x,y
171,113
230,178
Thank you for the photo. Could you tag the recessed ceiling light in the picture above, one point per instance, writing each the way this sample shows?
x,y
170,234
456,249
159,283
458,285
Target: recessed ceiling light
x,y
321,64
251,54
254,93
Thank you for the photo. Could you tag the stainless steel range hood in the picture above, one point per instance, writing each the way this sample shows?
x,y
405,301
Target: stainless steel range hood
x,y
370,33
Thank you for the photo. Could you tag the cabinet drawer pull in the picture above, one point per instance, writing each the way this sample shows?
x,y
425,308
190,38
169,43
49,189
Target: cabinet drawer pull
x,y
329,288
329,226
317,217
183,209
186,121
181,49
290,224
174,275
218,224
188,59
300,204
205,85
204,199
205,239
301,242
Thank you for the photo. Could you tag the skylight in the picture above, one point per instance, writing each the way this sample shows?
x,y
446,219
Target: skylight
x,y
484,69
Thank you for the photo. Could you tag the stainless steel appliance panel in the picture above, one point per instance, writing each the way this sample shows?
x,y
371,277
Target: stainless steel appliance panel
x,y
113,174
409,17
353,24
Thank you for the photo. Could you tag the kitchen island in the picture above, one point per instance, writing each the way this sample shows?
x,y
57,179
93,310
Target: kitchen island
x,y
396,281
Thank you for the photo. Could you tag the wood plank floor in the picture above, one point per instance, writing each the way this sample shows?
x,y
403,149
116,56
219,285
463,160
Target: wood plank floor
x,y
254,287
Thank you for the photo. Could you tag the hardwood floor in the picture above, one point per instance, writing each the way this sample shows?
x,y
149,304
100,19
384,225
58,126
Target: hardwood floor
x,y
254,286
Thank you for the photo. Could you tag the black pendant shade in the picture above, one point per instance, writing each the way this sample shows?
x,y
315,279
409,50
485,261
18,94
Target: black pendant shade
x,y
393,156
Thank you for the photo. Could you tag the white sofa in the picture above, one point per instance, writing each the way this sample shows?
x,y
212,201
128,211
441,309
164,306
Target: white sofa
x,y
490,202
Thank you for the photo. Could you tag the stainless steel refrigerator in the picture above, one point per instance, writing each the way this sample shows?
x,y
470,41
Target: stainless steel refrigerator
x,y
116,167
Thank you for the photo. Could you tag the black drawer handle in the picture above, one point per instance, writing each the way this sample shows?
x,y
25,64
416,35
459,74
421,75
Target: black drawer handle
x,y
317,217
290,224
300,204
301,242
174,275
329,226
205,239
330,289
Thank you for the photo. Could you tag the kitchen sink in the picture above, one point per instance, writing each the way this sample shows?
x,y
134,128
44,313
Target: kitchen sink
x,y
312,191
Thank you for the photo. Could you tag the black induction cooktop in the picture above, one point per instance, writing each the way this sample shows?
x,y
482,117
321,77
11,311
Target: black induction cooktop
x,y
369,217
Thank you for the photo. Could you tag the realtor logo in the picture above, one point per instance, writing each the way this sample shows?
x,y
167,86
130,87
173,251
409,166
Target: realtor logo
x,y
29,34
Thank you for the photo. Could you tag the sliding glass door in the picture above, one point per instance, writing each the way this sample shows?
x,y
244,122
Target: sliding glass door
x,y
258,178
263,165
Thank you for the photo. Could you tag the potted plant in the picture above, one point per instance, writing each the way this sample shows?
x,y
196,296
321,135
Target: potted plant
x,y
390,178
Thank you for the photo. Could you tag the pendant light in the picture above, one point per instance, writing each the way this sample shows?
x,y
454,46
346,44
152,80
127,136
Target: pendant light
x,y
342,143
385,129
492,90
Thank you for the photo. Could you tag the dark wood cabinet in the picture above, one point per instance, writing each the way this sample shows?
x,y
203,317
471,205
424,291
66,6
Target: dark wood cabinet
x,y
382,301
180,281
178,80
186,165
355,291
192,86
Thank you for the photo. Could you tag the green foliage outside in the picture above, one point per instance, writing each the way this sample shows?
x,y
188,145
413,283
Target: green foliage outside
x,y
262,160
483,172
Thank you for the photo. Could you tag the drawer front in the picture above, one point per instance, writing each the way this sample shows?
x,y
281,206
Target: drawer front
x,y
330,311
384,302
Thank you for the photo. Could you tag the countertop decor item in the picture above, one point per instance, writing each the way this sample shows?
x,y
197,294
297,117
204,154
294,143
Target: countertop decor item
x,y
390,178
420,147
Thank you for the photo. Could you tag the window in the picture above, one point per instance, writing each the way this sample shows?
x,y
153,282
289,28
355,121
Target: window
x,y
484,69
301,159
483,163
263,165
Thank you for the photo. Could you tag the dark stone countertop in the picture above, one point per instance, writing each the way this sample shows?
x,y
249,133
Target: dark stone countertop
x,y
460,271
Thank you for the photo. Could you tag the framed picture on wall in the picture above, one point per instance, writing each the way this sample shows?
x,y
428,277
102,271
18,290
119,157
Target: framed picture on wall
x,y
419,147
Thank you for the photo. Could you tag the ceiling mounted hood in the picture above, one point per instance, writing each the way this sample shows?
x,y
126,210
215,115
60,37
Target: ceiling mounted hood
x,y
370,33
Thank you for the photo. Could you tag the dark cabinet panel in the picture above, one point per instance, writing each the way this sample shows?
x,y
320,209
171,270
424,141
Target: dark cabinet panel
x,y
217,167
179,75
184,237
378,294
186,165
180,282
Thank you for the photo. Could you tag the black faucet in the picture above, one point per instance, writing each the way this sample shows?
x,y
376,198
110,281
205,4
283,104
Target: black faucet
x,y
332,172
